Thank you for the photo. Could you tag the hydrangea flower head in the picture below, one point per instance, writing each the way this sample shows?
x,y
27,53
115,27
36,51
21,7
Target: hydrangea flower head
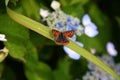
x,y
61,21
96,73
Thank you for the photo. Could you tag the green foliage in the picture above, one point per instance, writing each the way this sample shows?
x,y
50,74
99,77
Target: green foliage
x,y
8,74
31,9
39,57
17,37
62,70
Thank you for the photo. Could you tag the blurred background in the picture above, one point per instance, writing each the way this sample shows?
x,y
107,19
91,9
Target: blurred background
x,y
31,56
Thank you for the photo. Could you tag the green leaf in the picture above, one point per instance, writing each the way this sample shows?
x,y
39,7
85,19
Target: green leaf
x,y
75,10
6,2
72,2
16,35
43,30
62,71
1,68
38,71
118,20
8,74
31,53
31,24
35,70
31,9
39,40
78,68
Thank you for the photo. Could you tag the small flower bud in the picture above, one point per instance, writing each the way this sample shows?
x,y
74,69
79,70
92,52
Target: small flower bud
x,y
55,5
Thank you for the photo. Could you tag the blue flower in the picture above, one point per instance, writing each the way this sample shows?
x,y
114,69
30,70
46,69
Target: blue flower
x,y
72,54
111,49
117,68
97,73
60,25
63,22
68,20
90,28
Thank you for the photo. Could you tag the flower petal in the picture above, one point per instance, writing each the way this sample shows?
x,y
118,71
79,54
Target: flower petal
x,y
72,54
44,13
92,25
111,49
2,37
55,5
86,19
91,31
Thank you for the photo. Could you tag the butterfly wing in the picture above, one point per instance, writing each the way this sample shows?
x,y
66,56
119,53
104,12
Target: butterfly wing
x,y
62,40
68,33
55,33
59,37
62,43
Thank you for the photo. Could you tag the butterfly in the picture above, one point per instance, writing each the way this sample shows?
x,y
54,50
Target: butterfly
x,y
62,38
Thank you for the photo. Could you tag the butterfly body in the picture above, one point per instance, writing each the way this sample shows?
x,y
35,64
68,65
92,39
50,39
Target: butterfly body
x,y
62,38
